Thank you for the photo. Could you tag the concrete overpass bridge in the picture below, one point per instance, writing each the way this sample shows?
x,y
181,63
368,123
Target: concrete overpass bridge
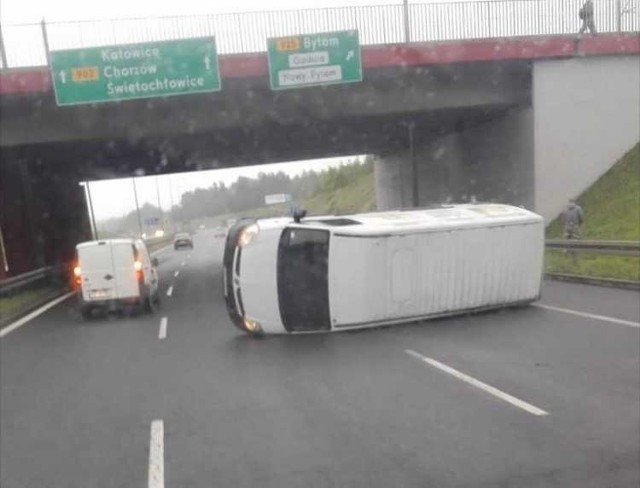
x,y
531,121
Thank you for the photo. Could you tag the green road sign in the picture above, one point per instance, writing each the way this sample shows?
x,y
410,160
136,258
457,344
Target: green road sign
x,y
316,59
151,69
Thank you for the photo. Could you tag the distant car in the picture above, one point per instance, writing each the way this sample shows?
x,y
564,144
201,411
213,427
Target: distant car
x,y
114,273
182,240
339,273
220,232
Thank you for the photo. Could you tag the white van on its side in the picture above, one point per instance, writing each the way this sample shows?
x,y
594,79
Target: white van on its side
x,y
112,273
338,273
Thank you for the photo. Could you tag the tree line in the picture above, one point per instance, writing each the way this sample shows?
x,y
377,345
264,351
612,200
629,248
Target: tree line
x,y
242,195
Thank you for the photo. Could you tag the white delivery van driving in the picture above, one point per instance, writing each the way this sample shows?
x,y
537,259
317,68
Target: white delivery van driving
x,y
113,273
340,273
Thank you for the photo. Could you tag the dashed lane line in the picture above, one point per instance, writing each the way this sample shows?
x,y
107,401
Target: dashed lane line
x,y
156,455
162,332
170,291
603,318
527,407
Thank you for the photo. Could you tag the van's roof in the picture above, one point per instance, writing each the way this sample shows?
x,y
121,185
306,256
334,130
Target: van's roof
x,y
103,242
402,221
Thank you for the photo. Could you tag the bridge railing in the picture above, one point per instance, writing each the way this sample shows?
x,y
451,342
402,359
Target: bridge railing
x,y
24,45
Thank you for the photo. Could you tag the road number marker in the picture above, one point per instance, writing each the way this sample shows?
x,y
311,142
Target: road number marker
x,y
604,318
162,333
527,407
170,291
156,455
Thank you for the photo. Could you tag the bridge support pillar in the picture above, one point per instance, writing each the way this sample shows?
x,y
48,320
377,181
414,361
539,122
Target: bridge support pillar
x,y
43,211
489,162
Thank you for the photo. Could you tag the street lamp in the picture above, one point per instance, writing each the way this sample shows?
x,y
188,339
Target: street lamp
x,y
92,219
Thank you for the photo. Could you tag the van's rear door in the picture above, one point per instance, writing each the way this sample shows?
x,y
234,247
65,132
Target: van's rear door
x,y
98,275
124,255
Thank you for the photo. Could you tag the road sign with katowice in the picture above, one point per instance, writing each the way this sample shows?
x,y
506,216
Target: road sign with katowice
x,y
314,59
146,70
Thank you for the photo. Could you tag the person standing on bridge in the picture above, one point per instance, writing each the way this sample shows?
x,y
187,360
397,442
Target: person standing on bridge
x,y
572,217
586,14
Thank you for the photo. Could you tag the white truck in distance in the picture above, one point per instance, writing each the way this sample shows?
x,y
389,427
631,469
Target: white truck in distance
x,y
339,273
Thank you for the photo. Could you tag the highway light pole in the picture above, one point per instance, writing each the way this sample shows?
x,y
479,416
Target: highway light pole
x,y
415,200
135,195
92,218
159,205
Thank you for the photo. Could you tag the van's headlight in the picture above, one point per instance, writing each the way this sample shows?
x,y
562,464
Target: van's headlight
x,y
247,235
252,325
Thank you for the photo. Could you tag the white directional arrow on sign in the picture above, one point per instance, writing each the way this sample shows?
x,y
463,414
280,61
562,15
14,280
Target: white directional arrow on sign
x,y
63,76
207,63
350,55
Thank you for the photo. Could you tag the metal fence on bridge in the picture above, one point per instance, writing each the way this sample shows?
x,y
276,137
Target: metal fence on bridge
x,y
24,45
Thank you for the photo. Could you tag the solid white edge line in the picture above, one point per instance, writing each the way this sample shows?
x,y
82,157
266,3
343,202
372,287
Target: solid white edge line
x,y
613,320
162,332
175,275
19,323
169,291
527,407
156,454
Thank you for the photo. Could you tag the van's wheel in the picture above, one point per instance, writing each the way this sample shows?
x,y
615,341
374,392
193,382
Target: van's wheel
x,y
150,303
85,311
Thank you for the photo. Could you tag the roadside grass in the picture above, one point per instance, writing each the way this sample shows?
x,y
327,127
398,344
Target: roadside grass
x,y
612,212
593,265
612,204
13,305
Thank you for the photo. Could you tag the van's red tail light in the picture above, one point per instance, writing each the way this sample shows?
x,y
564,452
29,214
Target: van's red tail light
x,y
137,266
77,275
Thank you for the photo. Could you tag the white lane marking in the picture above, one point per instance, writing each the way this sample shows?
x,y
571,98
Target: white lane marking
x,y
175,275
27,318
188,256
156,455
613,320
162,333
170,291
182,263
478,384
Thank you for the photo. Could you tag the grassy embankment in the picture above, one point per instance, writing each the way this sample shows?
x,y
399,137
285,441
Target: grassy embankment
x,y
612,212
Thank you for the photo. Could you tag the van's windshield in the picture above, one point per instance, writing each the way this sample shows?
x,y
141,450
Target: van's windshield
x,y
303,290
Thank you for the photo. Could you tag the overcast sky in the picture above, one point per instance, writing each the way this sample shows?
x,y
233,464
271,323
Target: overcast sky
x,y
18,11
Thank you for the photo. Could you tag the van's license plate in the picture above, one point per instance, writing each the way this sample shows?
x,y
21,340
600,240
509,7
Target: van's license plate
x,y
98,294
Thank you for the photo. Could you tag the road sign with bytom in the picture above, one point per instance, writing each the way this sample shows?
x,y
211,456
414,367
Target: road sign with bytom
x,y
315,59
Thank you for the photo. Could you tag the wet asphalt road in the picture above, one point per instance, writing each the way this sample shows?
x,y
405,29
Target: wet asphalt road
x,y
343,410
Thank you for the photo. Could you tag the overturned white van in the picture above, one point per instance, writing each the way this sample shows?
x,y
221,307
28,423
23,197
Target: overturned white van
x,y
340,273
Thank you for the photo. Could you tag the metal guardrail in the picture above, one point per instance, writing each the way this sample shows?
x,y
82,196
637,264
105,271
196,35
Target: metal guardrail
x,y
51,275
619,248
60,274
25,44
